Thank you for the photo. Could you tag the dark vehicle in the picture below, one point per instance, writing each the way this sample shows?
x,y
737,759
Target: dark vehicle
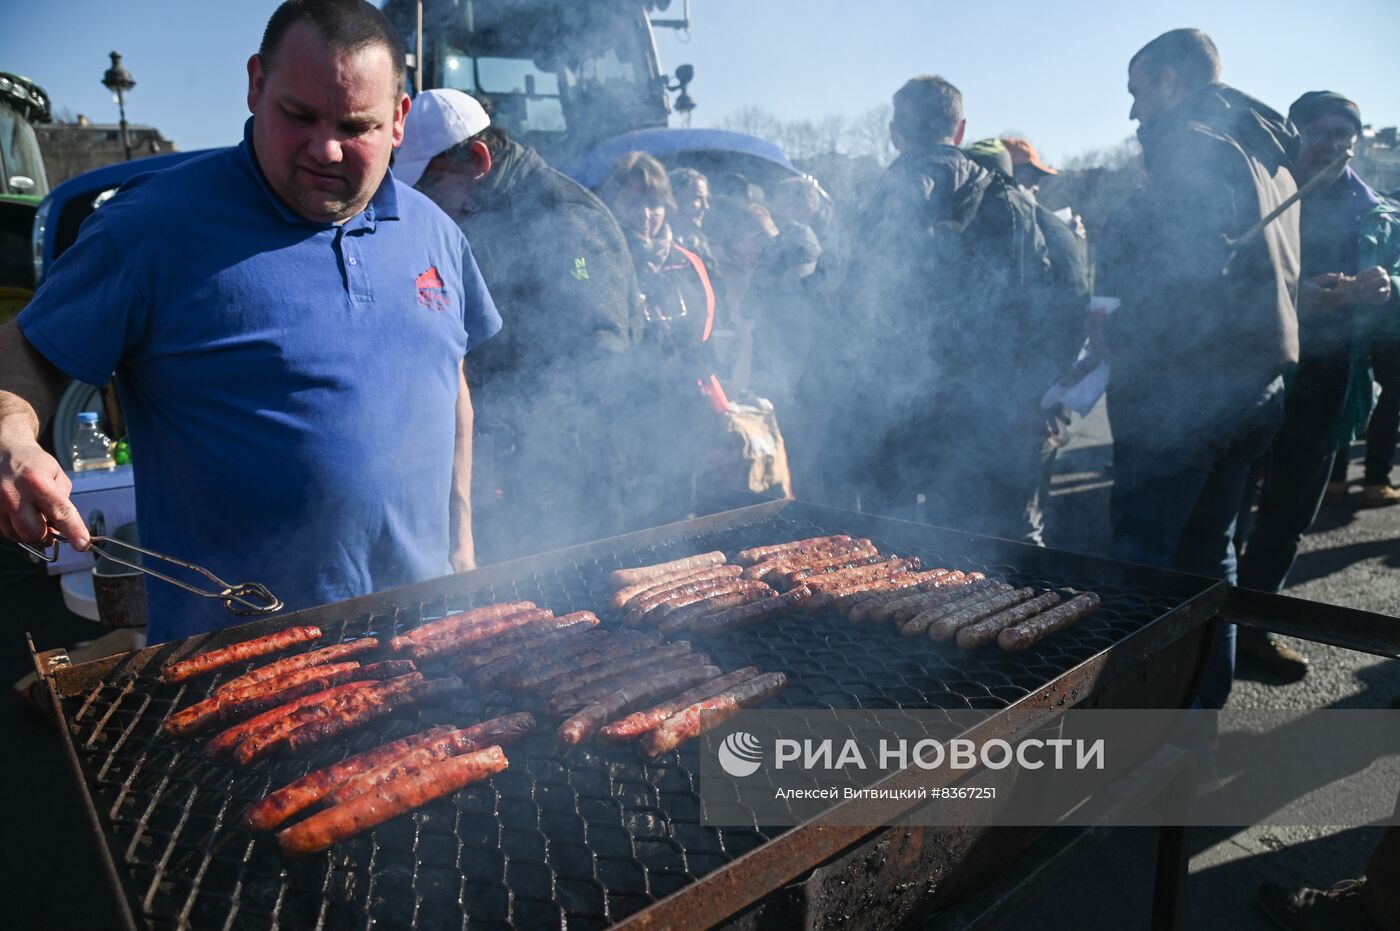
x,y
23,185
559,75
581,83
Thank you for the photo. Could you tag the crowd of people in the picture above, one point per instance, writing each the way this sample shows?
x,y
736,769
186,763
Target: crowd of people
x,y
290,357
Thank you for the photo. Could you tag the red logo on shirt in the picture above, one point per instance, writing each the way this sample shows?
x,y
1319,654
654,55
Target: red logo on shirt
x,y
432,292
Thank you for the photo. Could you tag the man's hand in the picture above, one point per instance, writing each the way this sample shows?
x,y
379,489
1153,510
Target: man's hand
x,y
34,492
1324,292
1370,288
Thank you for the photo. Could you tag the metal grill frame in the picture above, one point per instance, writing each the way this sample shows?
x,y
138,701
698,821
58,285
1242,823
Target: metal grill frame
x,y
796,852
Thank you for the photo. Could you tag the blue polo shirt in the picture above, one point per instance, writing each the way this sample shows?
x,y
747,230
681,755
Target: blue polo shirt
x,y
289,386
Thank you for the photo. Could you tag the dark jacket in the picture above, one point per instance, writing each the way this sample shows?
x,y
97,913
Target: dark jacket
x,y
545,394
1205,329
951,263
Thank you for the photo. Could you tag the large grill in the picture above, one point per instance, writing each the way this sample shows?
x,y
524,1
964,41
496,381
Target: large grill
x,y
598,836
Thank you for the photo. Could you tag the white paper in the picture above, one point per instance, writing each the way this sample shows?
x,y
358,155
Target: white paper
x,y
1065,214
1104,305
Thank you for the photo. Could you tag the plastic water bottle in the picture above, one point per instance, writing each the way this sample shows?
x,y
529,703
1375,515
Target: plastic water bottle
x,y
91,448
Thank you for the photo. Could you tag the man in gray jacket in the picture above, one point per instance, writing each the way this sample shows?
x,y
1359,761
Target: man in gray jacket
x,y
1208,328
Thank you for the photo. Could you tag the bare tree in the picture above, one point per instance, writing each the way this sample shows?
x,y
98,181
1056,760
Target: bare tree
x,y
831,131
755,121
870,134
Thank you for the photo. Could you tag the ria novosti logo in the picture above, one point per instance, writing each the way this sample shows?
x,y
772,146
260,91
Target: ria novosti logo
x,y
741,754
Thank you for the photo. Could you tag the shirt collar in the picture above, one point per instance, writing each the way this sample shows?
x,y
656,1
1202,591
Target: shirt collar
x,y
384,205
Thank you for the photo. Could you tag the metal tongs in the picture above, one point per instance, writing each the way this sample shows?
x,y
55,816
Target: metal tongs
x,y
243,599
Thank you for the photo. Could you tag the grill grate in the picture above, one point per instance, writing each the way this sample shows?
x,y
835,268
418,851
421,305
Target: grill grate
x,y
585,839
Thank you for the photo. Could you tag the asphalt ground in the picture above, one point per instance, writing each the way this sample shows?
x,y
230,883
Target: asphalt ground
x,y
53,877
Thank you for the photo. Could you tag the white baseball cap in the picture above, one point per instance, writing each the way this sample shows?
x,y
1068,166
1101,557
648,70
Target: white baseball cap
x,y
438,120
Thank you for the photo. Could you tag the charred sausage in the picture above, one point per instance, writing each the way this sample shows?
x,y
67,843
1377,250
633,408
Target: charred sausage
x,y
724,618
985,631
585,723
682,619
638,723
710,712
621,578
945,624
336,653
456,622
238,652
403,794
278,806
227,740
1032,630
624,598
759,553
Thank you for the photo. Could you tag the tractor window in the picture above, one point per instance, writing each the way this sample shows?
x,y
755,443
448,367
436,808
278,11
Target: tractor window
x,y
523,98
19,156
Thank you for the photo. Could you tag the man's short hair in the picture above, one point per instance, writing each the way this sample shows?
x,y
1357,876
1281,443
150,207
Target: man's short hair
x,y
345,25
927,110
1189,52
494,137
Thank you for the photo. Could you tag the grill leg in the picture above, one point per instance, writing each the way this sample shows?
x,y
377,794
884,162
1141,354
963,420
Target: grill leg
x,y
1169,889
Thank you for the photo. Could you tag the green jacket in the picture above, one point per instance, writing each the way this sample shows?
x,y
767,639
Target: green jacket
x,y
1379,245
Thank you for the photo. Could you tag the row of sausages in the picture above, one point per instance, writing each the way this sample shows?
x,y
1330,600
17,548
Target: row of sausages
x,y
705,593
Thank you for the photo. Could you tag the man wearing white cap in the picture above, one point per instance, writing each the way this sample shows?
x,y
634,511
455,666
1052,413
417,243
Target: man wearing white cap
x,y
548,394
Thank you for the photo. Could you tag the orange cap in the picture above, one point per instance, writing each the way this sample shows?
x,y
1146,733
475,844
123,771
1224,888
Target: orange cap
x,y
1023,153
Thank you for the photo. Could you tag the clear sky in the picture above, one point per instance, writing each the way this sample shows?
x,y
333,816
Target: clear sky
x,y
1053,70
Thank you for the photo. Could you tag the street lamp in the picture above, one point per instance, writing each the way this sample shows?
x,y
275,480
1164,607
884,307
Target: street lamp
x,y
118,80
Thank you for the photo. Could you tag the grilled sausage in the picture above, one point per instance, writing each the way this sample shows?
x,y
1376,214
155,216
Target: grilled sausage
x,y
638,723
242,706
916,619
642,606
905,604
709,713
484,631
905,583
880,576
370,709
856,607
946,625
787,578
665,654
529,637
403,794
207,712
610,651
804,557
455,622
228,740
260,741
584,644
586,722
238,652
960,592
836,580
759,553
681,619
566,703
669,609
624,598
621,578
987,630
278,806
227,709
496,732
724,618
336,653
1032,630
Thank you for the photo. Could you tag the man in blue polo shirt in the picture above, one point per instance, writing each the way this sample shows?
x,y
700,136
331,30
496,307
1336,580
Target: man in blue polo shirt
x,y
287,324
